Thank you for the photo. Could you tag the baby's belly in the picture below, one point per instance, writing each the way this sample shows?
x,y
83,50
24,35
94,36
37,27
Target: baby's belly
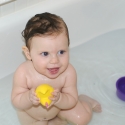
x,y
42,113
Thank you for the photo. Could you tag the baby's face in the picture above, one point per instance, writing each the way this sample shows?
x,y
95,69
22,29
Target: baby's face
x,y
50,54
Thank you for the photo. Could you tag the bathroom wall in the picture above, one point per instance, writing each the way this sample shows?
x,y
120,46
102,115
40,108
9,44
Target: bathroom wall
x,y
16,5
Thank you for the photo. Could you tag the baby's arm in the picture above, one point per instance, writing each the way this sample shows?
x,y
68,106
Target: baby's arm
x,y
68,95
22,97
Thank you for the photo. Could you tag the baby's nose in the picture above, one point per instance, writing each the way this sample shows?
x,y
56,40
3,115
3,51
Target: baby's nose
x,y
54,60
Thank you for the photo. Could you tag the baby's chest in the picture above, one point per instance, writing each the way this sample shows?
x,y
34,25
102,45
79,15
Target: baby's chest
x,y
57,83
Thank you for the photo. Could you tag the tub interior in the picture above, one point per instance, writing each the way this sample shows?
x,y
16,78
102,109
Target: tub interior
x,y
96,30
99,63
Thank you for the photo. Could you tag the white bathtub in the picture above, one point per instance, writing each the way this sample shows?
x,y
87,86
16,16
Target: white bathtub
x,y
86,19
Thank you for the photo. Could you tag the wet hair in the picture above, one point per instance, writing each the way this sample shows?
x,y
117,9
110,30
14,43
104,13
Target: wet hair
x,y
44,24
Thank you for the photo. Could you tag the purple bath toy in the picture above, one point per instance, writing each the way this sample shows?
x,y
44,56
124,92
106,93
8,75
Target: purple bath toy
x,y
120,85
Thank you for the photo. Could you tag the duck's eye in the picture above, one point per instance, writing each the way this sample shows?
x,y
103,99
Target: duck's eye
x,y
45,53
61,52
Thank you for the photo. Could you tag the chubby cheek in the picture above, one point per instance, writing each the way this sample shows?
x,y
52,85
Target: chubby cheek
x,y
40,66
65,62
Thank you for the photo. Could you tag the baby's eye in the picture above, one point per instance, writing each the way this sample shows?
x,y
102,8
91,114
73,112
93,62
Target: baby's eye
x,y
61,52
45,53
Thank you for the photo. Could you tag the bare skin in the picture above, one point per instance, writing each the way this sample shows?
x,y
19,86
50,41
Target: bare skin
x,y
50,64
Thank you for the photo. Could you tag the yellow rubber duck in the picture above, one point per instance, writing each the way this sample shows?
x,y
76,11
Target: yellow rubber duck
x,y
43,92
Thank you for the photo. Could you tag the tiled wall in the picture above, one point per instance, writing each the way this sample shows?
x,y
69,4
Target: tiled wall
x,y
16,5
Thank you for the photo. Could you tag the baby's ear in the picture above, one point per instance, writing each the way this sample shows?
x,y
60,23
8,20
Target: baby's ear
x,y
26,52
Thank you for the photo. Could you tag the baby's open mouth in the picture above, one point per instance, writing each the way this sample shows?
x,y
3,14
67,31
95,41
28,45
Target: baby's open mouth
x,y
53,70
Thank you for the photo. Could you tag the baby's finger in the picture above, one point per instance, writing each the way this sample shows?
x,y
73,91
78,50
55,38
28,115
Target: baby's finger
x,y
53,99
55,93
36,102
50,105
56,90
36,98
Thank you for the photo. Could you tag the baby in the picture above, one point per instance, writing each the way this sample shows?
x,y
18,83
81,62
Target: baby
x,y
47,52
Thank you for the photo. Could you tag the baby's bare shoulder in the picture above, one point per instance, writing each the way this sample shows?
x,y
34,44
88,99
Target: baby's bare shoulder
x,y
70,68
23,68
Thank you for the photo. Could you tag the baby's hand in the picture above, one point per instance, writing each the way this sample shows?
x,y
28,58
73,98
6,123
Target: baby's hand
x,y
33,98
55,97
